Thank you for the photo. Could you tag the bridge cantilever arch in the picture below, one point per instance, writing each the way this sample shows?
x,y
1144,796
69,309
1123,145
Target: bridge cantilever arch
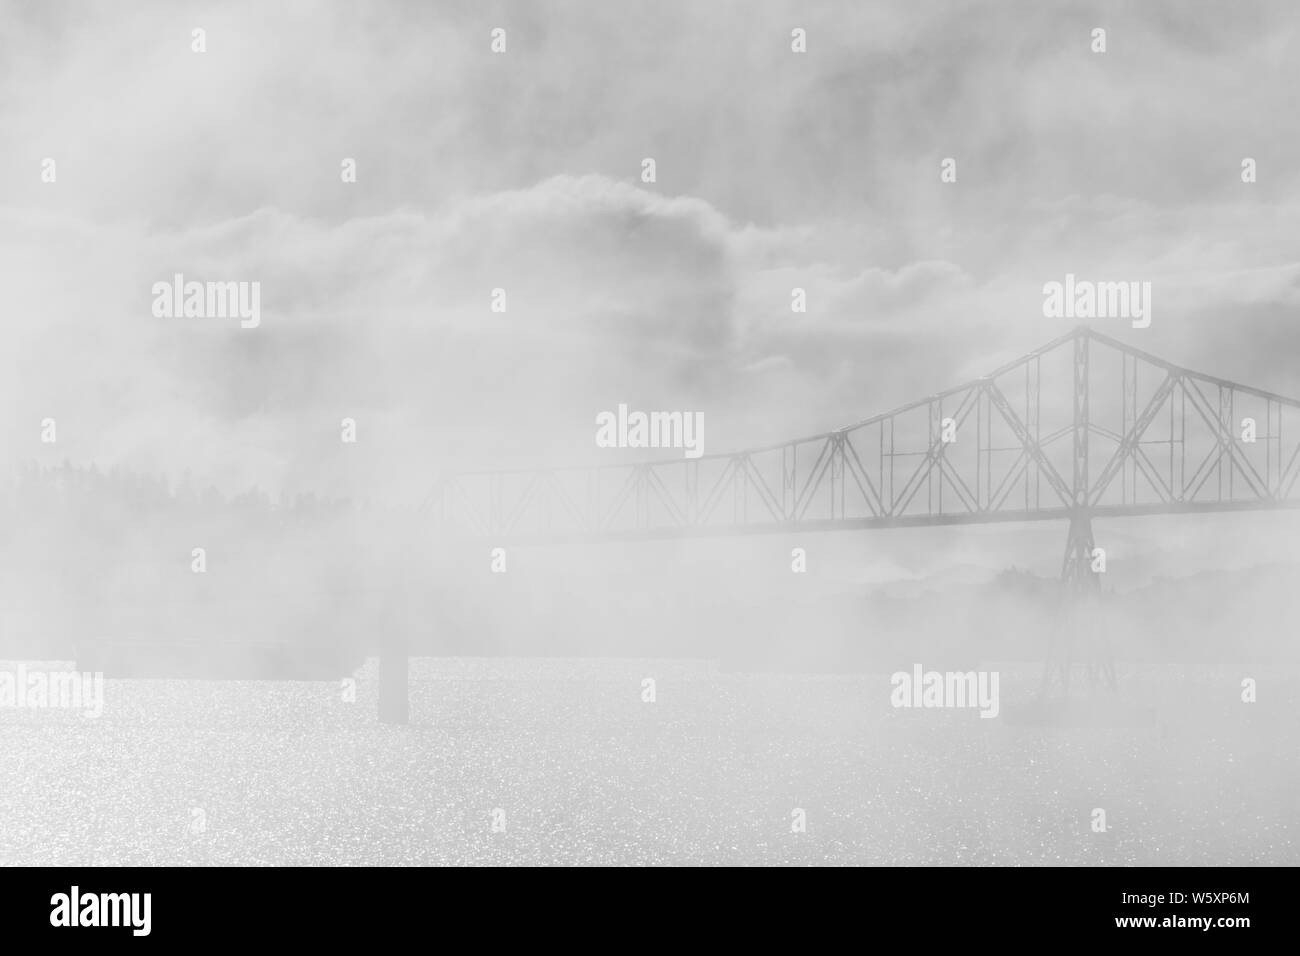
x,y
1084,427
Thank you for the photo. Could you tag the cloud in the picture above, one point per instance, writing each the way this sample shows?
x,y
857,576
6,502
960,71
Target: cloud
x,y
520,172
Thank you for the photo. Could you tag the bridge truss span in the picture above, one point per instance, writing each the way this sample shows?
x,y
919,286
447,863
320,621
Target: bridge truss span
x,y
1084,426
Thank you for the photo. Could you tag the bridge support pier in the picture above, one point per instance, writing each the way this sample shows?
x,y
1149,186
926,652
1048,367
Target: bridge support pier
x,y
394,681
1079,637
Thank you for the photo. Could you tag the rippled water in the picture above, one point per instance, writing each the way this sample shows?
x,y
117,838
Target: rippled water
x,y
195,772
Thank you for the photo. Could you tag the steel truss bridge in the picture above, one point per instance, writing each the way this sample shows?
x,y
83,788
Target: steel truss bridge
x,y
1084,427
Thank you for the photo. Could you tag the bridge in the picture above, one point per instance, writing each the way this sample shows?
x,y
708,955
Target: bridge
x,y
1084,427
1166,440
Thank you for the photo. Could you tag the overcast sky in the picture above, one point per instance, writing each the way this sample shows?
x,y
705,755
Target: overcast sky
x,y
522,171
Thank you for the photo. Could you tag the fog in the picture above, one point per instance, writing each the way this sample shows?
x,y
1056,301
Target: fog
x,y
462,264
